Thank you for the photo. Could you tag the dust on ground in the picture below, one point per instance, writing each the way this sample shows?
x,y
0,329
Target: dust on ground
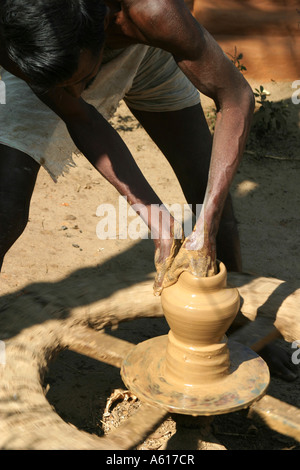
x,y
61,239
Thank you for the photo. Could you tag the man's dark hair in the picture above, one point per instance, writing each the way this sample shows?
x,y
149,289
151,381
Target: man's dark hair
x,y
44,38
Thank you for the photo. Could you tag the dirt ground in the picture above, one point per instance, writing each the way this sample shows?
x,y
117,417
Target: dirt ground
x,y
61,239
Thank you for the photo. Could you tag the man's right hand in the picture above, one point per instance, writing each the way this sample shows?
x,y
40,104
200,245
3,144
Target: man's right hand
x,y
175,256
166,252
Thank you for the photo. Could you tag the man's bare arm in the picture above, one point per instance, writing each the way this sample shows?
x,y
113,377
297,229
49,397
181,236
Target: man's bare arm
x,y
108,153
169,25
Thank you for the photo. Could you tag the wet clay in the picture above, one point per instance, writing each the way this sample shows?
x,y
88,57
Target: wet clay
x,y
199,311
194,370
181,259
163,263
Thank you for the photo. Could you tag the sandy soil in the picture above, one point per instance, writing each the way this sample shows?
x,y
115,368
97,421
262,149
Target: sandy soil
x,y
61,239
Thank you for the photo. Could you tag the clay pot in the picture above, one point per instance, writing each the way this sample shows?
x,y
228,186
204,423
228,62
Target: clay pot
x,y
199,311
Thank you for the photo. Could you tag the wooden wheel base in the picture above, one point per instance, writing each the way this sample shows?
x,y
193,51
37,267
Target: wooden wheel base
x,y
52,317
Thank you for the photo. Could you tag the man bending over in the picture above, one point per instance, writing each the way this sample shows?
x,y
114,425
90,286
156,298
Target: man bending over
x,y
67,64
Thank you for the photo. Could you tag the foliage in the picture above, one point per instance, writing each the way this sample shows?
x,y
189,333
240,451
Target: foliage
x,y
211,117
236,60
271,118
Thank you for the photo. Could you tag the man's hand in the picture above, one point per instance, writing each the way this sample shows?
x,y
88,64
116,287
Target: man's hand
x,y
166,251
173,257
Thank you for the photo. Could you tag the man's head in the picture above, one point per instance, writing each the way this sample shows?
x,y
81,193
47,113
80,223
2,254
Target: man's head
x,y
46,39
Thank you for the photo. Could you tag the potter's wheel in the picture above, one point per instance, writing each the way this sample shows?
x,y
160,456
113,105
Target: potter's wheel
x,y
143,372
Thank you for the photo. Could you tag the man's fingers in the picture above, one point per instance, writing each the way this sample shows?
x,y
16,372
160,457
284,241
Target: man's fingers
x,y
200,263
195,262
163,262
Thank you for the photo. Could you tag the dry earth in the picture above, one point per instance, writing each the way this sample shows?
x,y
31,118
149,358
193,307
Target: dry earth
x,y
61,240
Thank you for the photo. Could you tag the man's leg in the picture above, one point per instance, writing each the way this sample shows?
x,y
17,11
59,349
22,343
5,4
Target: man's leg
x,y
18,173
185,140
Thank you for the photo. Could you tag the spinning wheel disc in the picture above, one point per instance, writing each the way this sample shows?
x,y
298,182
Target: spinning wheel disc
x,y
143,372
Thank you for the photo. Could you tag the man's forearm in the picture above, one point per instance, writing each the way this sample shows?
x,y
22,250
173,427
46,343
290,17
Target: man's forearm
x,y
108,153
231,131
214,75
